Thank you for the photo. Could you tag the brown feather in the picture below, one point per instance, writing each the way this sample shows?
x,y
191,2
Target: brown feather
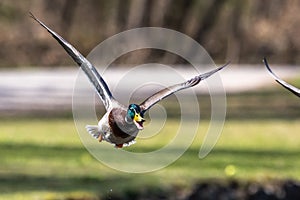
x,y
121,130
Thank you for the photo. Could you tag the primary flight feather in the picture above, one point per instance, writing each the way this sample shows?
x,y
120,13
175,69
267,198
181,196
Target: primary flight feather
x,y
291,88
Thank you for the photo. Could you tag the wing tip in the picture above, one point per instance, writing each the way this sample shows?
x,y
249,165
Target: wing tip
x,y
269,69
31,15
280,81
267,64
208,74
222,67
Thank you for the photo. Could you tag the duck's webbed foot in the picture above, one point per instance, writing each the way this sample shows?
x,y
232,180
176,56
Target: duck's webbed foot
x,y
100,138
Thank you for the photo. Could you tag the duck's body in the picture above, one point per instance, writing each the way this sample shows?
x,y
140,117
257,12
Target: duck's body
x,y
116,127
122,132
120,124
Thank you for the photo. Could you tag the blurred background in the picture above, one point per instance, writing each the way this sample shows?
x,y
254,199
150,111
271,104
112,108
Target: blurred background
x,y
242,32
257,155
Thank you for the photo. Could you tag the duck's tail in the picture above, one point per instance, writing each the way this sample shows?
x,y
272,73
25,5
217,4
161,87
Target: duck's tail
x,y
93,130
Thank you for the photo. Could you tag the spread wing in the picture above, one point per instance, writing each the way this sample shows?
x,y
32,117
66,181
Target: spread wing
x,y
152,100
91,72
291,88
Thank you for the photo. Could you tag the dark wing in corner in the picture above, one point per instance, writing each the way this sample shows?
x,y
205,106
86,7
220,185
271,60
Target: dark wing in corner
x,y
95,78
152,100
291,88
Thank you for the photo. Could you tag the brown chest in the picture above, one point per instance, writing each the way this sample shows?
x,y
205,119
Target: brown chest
x,y
120,128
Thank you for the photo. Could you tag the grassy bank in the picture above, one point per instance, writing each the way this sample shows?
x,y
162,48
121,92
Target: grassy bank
x,y
45,159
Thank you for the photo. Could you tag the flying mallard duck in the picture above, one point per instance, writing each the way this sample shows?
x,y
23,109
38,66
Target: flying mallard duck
x,y
119,125
291,88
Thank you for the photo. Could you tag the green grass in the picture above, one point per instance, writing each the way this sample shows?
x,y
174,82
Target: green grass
x,y
45,159
296,82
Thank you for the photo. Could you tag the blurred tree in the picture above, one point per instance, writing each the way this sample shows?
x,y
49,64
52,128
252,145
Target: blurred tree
x,y
241,31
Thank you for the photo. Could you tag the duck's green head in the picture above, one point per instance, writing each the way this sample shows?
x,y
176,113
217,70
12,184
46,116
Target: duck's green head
x,y
134,113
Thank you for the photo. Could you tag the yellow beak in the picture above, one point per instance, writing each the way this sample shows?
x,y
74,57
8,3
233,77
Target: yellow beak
x,y
138,118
